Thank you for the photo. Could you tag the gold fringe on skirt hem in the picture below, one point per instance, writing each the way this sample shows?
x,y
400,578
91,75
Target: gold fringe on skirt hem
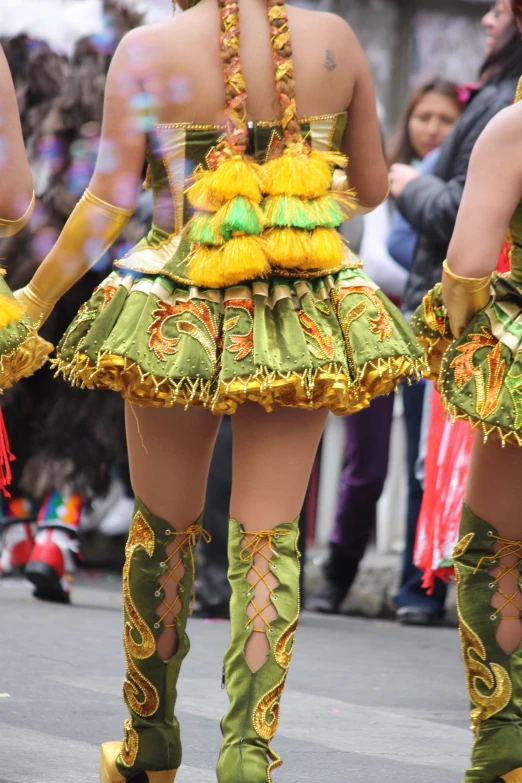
x,y
23,360
325,387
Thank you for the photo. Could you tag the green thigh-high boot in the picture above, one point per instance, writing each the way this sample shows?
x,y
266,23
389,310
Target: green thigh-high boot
x,y
493,678
151,749
253,717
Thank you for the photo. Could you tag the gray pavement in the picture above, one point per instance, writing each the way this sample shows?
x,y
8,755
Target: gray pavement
x,y
366,701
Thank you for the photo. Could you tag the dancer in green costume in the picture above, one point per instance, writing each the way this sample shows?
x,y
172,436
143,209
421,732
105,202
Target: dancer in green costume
x,y
479,375
242,299
21,350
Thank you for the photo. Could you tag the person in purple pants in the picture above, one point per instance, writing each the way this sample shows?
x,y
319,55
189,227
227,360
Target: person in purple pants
x,y
432,111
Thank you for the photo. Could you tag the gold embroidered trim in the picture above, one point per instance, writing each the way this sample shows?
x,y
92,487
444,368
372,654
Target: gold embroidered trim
x,y
259,123
266,713
23,360
508,437
139,693
282,654
131,744
140,535
328,386
491,676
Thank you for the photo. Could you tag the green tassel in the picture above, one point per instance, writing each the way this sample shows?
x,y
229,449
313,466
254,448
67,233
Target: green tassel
x,y
204,230
289,212
240,216
327,212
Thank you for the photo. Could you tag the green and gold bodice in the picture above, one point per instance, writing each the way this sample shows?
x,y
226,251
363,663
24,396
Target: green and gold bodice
x,y
176,151
515,228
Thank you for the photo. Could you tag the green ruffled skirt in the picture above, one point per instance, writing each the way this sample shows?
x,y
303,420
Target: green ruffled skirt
x,y
480,374
333,341
22,351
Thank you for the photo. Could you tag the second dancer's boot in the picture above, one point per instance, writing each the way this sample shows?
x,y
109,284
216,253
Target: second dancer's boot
x,y
155,554
258,562
482,561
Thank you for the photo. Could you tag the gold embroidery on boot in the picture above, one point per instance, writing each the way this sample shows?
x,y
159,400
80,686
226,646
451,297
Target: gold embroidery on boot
x,y
130,746
462,545
493,677
139,693
140,535
282,654
266,713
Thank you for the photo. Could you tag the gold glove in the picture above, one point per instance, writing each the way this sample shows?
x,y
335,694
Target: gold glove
x,y
9,228
90,231
463,297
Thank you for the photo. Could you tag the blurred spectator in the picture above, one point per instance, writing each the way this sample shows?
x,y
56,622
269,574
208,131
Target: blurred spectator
x,y
70,449
432,111
430,202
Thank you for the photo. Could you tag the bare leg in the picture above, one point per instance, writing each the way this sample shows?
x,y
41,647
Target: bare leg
x,y
169,455
494,493
273,455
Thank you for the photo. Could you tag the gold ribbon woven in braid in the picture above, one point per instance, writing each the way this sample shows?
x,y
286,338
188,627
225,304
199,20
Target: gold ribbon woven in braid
x,y
235,85
284,69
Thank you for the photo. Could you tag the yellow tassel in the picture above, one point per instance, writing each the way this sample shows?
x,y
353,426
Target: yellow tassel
x,y
288,247
205,267
297,173
10,311
236,177
199,195
330,157
347,200
328,249
242,258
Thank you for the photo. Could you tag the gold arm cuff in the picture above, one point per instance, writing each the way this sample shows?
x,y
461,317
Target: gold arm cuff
x,y
463,297
362,210
9,228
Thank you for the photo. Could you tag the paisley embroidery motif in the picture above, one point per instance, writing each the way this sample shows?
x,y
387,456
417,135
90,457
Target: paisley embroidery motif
x,y
108,293
320,342
488,685
207,334
380,325
131,744
282,654
266,713
139,643
434,316
488,375
140,535
241,345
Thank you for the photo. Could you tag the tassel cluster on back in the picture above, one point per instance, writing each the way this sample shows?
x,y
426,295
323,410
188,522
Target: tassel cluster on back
x,y
251,219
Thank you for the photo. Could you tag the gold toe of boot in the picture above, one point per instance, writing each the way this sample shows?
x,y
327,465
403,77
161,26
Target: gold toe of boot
x,y
512,777
109,772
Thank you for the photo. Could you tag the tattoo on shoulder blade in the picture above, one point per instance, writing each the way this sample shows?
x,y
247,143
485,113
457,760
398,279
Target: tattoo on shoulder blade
x,y
329,60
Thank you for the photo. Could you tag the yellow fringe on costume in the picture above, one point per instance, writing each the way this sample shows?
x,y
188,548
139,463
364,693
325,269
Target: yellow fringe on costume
x,y
241,258
299,172
234,177
10,311
327,248
288,247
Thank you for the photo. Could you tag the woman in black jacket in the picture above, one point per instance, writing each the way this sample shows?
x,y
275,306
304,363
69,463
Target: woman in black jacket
x,y
430,204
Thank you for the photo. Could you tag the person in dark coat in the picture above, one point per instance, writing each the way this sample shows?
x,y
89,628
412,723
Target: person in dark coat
x,y
430,204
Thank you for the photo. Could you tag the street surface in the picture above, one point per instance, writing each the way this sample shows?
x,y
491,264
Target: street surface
x,y
365,702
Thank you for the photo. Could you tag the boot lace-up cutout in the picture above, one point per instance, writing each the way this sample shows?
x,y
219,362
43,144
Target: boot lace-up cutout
x,y
507,599
260,549
179,552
